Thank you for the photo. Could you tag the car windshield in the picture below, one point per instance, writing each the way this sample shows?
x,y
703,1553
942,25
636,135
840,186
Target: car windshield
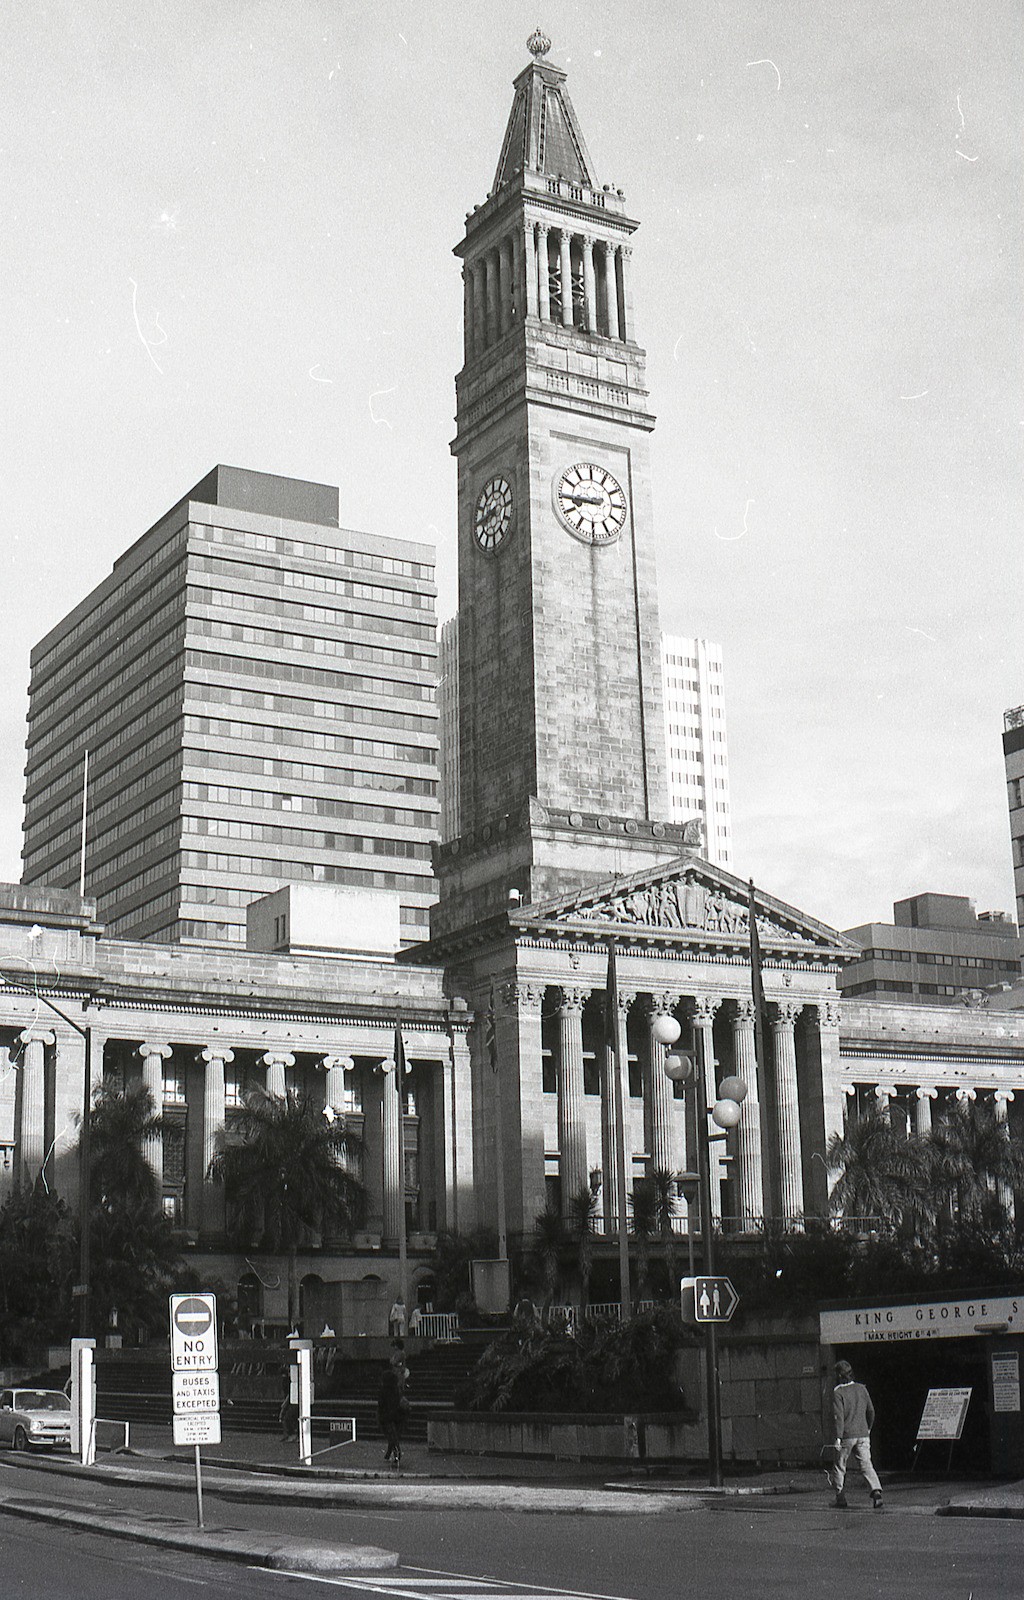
x,y
40,1400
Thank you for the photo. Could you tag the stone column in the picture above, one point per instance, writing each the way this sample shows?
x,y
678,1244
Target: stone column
x,y
626,269
611,1201
504,286
275,1062
787,1095
521,1085
611,293
589,285
703,1012
457,1134
394,1177
923,1109
528,269
750,1171
1001,1099
468,332
516,295
335,1095
491,296
565,260
215,1057
659,1096
572,1129
479,275
153,1058
966,1094
824,1063
885,1094
543,272
32,1126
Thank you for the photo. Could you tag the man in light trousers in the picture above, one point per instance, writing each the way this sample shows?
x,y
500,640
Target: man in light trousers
x,y
854,1415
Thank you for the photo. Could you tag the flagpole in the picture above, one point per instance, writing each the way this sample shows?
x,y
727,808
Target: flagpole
x,y
615,1062
403,1252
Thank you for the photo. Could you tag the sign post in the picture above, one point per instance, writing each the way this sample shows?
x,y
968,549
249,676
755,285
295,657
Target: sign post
x,y
195,1381
83,1400
300,1393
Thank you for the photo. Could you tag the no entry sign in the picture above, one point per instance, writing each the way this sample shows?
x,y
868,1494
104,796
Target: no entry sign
x,y
193,1333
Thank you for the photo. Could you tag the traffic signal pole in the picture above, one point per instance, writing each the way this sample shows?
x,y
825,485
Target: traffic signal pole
x,y
707,1231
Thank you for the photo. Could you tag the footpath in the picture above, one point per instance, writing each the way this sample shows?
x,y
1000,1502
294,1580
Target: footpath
x,y
261,1469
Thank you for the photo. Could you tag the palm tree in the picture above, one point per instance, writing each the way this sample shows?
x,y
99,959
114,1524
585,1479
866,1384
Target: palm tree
x,y
284,1178
665,1189
973,1166
644,1225
880,1175
121,1121
548,1245
582,1218
134,1251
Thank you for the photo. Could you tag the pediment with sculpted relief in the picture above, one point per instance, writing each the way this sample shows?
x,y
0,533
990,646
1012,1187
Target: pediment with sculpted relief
x,y
694,900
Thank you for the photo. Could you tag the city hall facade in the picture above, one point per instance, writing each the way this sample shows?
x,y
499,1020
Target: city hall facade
x,y
509,1106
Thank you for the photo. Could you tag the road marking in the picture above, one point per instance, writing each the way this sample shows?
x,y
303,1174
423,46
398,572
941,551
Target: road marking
x,y
428,1584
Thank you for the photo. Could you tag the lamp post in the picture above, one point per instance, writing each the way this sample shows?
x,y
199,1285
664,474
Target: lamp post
x,y
80,1290
681,1067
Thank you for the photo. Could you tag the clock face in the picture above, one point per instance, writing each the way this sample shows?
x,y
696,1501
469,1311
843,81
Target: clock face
x,y
590,503
493,517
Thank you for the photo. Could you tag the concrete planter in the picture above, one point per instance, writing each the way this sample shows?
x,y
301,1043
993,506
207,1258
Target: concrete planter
x,y
667,1436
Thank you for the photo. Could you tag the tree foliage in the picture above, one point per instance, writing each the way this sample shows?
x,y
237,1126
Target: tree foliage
x,y
614,1367
285,1180
38,1256
134,1255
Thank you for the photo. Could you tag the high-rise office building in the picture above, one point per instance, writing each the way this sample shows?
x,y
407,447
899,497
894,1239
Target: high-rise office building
x,y
254,686
936,948
448,726
697,750
1013,758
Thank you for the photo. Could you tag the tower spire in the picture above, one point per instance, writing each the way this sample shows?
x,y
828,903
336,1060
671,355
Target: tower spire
x,y
543,135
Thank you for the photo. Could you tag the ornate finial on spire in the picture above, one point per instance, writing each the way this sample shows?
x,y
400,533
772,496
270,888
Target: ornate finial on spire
x,y
538,43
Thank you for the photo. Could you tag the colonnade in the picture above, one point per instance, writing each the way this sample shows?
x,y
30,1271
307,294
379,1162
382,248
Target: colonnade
x,y
557,274
358,1087
761,1170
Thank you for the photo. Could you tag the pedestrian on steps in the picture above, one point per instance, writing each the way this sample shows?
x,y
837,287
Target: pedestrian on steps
x,y
391,1408
854,1416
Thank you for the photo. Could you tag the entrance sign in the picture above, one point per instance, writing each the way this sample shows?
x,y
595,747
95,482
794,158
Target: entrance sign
x,y
944,1413
195,1383
1006,1382
202,1428
193,1333
195,1391
714,1299
933,1319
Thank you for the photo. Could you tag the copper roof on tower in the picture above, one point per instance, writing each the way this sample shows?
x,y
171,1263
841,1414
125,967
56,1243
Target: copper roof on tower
x,y
543,134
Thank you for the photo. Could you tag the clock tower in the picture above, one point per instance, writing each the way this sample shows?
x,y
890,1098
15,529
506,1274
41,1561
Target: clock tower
x,y
561,739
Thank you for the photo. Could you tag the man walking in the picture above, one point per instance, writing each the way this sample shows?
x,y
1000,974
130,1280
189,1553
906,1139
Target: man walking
x,y
854,1415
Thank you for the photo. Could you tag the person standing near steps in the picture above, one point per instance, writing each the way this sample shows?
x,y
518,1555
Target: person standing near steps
x,y
854,1416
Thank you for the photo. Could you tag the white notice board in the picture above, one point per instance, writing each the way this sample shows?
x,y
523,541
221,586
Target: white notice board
x,y
944,1413
1006,1382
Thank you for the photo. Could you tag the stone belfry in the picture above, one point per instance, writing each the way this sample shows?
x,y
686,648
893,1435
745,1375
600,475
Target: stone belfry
x,y
561,765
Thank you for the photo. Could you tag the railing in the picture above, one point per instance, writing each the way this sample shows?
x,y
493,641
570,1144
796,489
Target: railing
x,y
443,1326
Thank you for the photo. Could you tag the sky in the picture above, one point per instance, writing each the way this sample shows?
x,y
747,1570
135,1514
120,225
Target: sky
x,y
227,238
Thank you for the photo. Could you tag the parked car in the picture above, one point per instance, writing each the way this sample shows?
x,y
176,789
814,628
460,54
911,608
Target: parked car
x,y
34,1417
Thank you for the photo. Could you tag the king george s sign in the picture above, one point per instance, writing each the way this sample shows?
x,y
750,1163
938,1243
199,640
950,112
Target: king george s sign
x,y
938,1319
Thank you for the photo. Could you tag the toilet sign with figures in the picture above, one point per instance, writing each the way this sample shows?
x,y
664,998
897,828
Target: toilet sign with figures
x,y
714,1299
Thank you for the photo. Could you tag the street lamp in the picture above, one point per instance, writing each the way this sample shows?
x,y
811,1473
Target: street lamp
x,y
682,1067
80,1290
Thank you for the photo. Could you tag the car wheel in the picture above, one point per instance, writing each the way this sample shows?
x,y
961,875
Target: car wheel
x,y
20,1439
